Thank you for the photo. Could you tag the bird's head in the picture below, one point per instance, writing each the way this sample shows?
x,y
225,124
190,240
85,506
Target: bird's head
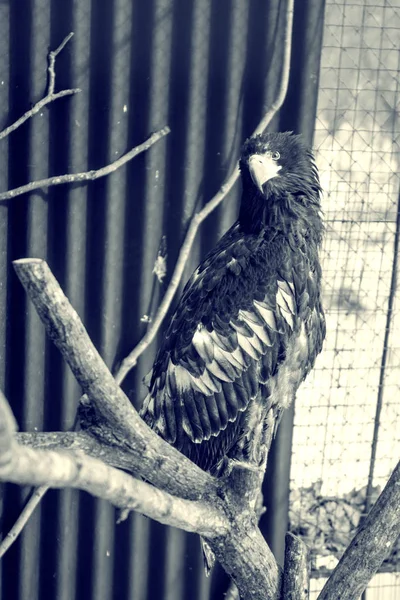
x,y
280,180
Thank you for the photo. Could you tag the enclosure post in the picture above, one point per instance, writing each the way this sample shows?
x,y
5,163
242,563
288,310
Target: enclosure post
x,y
274,523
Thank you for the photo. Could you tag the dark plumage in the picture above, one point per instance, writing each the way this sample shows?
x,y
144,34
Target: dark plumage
x,y
249,324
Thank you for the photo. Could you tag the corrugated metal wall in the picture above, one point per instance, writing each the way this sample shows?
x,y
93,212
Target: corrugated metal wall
x,y
208,70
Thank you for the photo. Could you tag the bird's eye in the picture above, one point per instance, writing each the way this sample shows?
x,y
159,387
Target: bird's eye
x,y
275,156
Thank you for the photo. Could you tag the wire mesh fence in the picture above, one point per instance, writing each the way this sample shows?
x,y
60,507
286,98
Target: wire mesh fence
x,y
346,437
384,586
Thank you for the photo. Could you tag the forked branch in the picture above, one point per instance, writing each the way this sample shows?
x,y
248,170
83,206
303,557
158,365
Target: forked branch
x,y
25,465
153,456
87,175
50,96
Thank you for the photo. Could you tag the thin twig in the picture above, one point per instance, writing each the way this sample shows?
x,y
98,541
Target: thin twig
x,y
23,518
130,361
287,53
50,96
87,175
52,62
8,426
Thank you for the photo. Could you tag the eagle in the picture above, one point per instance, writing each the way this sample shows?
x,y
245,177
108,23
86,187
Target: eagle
x,y
250,323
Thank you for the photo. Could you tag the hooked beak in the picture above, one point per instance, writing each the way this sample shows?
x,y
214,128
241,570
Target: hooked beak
x,y
262,169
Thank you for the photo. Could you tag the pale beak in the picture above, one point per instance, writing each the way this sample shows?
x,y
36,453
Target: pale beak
x,y
262,169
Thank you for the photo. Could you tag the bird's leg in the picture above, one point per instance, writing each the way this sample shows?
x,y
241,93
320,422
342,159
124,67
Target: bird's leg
x,y
247,466
243,479
227,465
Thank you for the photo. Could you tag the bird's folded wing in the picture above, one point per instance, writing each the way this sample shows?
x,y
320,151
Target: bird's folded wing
x,y
220,369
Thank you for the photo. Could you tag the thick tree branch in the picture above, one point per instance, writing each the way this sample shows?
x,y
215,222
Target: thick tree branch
x,y
130,361
370,546
61,469
87,175
114,456
31,466
154,458
246,557
296,574
50,96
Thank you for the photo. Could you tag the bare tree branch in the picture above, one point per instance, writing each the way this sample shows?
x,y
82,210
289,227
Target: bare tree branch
x,y
296,574
246,557
87,175
238,544
283,87
54,468
370,546
52,62
240,547
57,180
83,441
50,96
26,513
235,539
69,178
114,456
111,455
130,361
117,421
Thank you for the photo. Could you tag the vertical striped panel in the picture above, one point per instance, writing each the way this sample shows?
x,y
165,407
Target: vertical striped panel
x,y
194,151
36,237
70,220
156,172
139,554
238,32
206,69
4,101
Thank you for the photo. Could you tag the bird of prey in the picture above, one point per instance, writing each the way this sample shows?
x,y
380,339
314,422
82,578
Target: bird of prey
x,y
249,324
